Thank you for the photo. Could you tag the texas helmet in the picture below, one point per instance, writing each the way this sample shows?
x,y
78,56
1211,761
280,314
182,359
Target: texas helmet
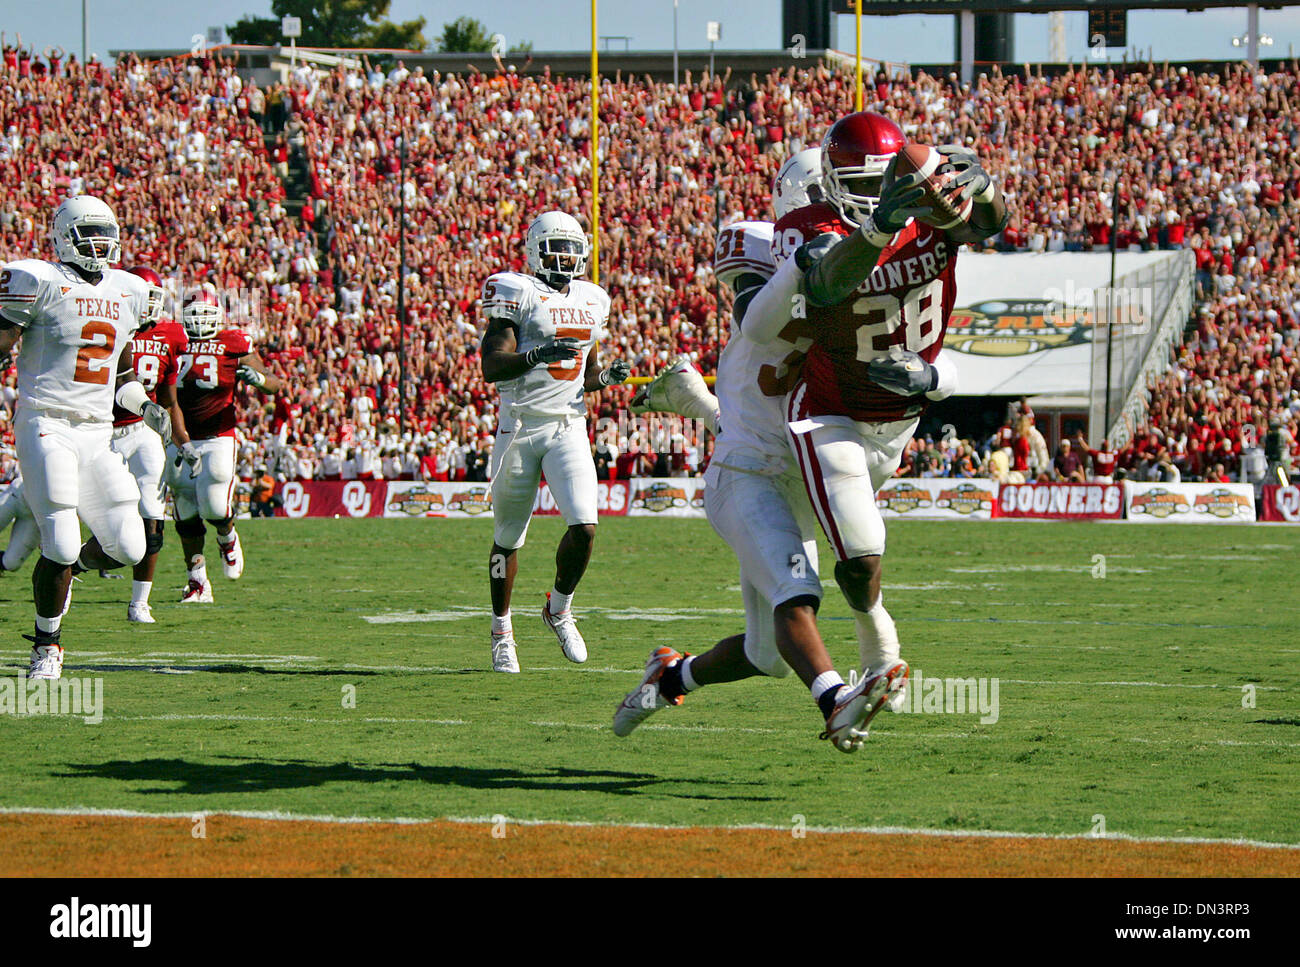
x,y
157,295
798,183
202,314
85,234
855,153
557,248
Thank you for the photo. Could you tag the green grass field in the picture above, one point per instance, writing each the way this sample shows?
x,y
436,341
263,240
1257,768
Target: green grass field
x,y
1120,696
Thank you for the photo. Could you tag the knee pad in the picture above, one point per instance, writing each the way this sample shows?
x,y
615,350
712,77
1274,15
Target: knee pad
x,y
854,577
61,536
190,527
153,537
128,542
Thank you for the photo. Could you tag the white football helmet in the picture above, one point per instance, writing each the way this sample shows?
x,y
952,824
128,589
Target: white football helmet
x,y
202,314
557,248
798,183
85,234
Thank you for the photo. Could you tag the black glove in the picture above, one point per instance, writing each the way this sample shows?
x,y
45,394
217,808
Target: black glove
x,y
969,175
618,372
157,418
554,352
809,252
903,372
247,374
899,200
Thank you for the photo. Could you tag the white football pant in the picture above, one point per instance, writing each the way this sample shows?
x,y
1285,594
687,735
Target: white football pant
x,y
844,463
25,537
142,450
766,520
557,447
211,494
70,470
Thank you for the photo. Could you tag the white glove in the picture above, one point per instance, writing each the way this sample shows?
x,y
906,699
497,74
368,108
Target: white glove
x,y
157,418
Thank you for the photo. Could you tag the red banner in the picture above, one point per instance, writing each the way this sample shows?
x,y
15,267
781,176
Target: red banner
x,y
333,498
611,499
1061,501
382,498
1280,504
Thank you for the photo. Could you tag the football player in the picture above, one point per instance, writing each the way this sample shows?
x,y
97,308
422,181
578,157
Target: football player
x,y
76,317
540,350
202,476
755,500
156,349
25,537
876,281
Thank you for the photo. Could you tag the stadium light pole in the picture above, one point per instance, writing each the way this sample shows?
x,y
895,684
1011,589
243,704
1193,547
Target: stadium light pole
x,y
674,43
1114,249
83,34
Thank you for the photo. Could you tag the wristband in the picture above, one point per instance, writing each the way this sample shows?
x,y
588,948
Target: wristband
x,y
985,196
530,357
132,397
873,234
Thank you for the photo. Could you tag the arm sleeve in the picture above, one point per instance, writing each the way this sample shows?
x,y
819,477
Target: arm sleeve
x,y
21,295
947,384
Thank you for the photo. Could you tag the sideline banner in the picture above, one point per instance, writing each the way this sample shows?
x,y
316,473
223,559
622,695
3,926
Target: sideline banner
x,y
332,498
409,498
1062,501
666,497
1189,503
1280,504
945,498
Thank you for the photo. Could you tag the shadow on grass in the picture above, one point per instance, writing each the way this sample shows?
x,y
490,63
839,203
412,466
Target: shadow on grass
x,y
207,778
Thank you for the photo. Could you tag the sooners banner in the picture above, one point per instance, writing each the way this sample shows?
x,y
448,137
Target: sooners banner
x,y
1189,503
938,497
1061,501
333,498
1280,504
406,498
666,497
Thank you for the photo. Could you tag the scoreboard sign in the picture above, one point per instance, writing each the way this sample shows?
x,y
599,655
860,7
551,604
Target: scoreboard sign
x,y
1108,28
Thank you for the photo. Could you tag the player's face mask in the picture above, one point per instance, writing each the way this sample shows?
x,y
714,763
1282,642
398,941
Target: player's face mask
x,y
95,240
562,256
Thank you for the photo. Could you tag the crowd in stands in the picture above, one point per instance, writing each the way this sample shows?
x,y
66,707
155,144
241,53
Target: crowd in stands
x,y
196,161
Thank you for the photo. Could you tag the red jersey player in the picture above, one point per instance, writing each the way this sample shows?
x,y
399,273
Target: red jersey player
x,y
216,360
876,282
156,349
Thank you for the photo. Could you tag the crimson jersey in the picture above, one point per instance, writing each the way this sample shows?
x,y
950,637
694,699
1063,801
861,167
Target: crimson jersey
x,y
156,353
206,383
905,301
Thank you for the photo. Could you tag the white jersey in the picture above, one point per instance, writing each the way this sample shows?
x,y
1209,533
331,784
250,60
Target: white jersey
x,y
540,314
753,379
73,334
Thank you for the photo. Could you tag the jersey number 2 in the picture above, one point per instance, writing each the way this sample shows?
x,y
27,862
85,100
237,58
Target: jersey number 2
x,y
93,359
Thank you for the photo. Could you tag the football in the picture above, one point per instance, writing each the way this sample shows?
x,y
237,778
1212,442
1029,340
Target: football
x,y
937,173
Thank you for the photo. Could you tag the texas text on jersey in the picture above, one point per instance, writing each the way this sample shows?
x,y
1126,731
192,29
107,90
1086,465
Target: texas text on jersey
x,y
206,381
905,301
157,353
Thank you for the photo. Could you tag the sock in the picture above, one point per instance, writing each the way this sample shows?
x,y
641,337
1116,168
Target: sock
x,y
688,680
227,540
48,626
140,591
199,569
824,689
560,602
501,624
877,636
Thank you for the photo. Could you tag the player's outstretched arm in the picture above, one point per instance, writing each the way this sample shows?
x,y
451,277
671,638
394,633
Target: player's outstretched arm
x,y
501,359
253,371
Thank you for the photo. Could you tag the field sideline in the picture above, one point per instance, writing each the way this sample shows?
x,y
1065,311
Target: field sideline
x,y
345,676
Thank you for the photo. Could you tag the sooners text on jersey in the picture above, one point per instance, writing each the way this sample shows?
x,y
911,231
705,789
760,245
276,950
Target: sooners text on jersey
x,y
205,381
905,301
156,353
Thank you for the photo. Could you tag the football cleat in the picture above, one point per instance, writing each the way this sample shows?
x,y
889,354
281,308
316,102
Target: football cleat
x,y
897,700
232,558
646,699
503,653
678,389
47,662
197,592
140,612
857,705
566,629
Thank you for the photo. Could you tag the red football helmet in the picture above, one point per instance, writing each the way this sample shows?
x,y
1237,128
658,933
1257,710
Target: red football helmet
x,y
855,153
202,315
157,295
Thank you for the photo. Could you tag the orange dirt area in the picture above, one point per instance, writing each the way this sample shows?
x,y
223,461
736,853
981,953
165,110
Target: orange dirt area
x,y
39,845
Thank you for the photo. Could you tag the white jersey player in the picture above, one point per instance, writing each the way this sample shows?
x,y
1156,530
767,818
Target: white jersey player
x,y
25,537
540,350
755,500
76,318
